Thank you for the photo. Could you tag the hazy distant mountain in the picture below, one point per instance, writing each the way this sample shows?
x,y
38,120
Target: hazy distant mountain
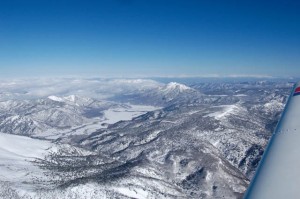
x,y
160,96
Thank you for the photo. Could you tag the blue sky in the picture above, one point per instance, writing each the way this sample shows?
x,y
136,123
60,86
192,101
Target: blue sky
x,y
149,38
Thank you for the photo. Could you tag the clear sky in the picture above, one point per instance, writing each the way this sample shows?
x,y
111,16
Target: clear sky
x,y
149,38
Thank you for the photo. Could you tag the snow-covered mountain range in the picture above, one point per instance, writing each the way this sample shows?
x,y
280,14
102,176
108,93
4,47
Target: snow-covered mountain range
x,y
57,117
129,138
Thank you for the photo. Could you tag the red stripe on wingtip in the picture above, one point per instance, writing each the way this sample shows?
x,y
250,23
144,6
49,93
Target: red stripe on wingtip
x,y
297,90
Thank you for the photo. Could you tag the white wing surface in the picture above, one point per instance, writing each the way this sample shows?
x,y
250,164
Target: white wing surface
x,y
278,175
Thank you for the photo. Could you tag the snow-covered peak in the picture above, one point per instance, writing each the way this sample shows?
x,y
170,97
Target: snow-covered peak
x,y
55,98
71,98
176,86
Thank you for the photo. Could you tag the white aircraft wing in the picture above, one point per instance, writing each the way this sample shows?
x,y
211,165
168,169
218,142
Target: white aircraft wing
x,y
278,174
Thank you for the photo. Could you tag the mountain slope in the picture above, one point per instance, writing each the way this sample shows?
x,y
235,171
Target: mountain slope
x,y
205,143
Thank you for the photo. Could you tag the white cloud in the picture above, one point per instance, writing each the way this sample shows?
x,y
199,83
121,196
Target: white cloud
x,y
96,88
